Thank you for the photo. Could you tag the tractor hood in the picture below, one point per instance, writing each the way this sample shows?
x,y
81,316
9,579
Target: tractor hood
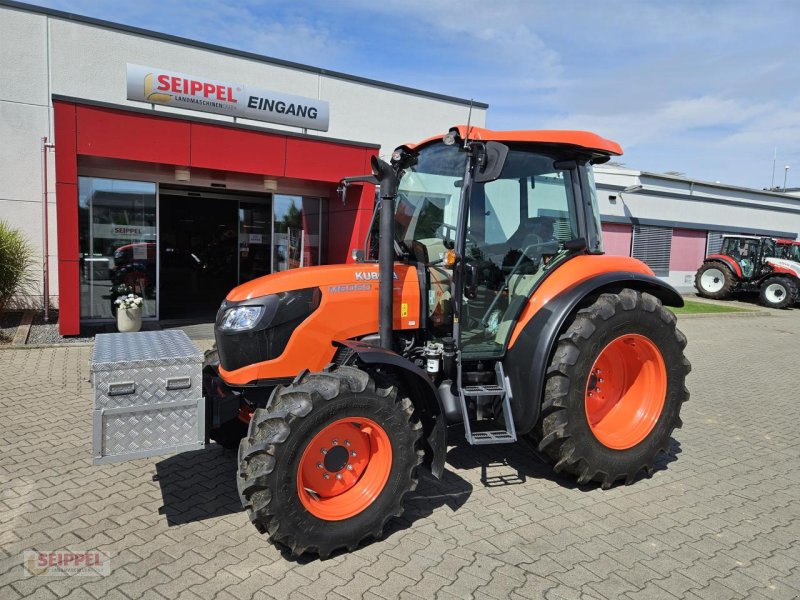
x,y
359,277
339,302
781,265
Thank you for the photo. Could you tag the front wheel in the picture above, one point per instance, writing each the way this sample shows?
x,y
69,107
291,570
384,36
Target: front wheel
x,y
326,465
778,292
614,389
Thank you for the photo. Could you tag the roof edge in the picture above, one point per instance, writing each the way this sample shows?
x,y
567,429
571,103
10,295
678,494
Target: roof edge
x,y
69,16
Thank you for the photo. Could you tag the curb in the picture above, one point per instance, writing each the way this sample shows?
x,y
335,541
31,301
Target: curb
x,y
727,315
42,346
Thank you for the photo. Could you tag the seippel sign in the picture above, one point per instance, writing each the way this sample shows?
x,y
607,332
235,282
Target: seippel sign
x,y
156,86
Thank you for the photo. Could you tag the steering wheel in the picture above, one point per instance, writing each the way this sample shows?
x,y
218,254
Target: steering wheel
x,y
523,255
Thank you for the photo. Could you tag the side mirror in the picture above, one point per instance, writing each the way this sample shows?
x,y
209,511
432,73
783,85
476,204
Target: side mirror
x,y
494,159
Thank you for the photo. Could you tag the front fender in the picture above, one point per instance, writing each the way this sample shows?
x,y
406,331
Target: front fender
x,y
422,393
527,359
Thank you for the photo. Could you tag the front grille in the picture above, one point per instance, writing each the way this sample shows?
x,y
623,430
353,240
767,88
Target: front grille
x,y
283,313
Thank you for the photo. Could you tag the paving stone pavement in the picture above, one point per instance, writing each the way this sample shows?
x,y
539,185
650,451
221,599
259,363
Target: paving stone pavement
x,y
719,519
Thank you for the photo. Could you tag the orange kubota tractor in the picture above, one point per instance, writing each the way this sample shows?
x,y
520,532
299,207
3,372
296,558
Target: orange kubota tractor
x,y
491,308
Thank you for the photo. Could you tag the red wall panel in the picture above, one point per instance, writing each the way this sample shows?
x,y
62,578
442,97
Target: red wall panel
x,y
226,149
349,223
322,161
67,221
617,238
69,302
688,249
130,136
65,139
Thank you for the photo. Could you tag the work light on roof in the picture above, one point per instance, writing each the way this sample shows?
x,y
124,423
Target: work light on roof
x,y
450,138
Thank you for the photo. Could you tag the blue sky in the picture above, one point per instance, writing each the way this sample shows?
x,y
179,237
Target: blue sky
x,y
709,89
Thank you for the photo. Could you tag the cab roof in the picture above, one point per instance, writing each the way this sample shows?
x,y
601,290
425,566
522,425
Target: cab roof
x,y
581,139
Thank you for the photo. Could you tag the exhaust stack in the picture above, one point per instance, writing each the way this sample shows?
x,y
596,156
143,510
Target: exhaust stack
x,y
388,182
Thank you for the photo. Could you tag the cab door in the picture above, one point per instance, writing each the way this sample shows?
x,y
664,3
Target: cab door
x,y
516,226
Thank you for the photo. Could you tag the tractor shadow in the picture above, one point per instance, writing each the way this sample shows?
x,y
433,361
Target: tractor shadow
x,y
198,485
201,484
514,464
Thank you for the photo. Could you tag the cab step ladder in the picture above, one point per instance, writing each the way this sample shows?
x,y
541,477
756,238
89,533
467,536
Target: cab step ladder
x,y
502,389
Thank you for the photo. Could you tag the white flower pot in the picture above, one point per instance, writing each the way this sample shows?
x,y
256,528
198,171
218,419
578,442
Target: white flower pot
x,y
129,319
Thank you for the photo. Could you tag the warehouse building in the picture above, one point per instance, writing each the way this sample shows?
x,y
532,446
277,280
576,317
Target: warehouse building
x,y
672,222
180,169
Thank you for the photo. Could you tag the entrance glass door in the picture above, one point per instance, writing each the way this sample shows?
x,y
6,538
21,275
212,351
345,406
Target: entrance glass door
x,y
198,253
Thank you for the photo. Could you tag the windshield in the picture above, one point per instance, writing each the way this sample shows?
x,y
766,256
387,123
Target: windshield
x,y
429,194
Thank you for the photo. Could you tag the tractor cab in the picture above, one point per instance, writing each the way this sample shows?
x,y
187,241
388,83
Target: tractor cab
x,y
748,252
788,250
502,227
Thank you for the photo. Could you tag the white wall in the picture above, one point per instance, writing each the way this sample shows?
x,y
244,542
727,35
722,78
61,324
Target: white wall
x,y
42,55
709,206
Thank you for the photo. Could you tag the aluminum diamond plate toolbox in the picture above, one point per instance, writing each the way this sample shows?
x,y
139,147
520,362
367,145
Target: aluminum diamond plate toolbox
x,y
148,395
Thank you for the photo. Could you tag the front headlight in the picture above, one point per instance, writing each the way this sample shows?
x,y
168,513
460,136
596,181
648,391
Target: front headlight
x,y
240,318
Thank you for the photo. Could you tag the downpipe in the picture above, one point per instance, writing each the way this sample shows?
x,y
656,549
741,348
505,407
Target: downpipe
x,y
45,234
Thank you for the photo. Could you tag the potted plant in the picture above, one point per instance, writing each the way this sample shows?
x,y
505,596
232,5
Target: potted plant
x,y
116,291
129,313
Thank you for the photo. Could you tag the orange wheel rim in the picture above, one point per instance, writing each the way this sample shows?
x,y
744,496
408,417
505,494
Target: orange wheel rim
x,y
625,391
344,468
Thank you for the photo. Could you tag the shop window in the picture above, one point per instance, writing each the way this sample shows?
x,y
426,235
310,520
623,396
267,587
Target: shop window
x,y
297,237
117,238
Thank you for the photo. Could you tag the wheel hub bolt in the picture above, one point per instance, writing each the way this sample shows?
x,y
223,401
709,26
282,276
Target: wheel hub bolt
x,y
347,442
319,465
353,453
338,476
335,442
326,476
323,450
349,467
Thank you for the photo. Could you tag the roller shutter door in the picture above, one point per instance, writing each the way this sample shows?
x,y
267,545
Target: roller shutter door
x,y
653,245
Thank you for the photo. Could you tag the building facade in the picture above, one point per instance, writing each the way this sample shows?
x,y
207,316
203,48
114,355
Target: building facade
x,y
178,169
672,222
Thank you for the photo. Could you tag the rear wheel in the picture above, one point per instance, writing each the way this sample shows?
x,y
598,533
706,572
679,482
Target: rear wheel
x,y
778,292
714,281
614,389
328,463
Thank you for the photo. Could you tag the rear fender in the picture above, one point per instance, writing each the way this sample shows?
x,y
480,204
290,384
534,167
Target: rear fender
x,y
421,391
726,261
527,359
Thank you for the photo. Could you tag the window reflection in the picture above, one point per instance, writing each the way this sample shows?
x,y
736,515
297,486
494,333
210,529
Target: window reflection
x,y
117,238
298,222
